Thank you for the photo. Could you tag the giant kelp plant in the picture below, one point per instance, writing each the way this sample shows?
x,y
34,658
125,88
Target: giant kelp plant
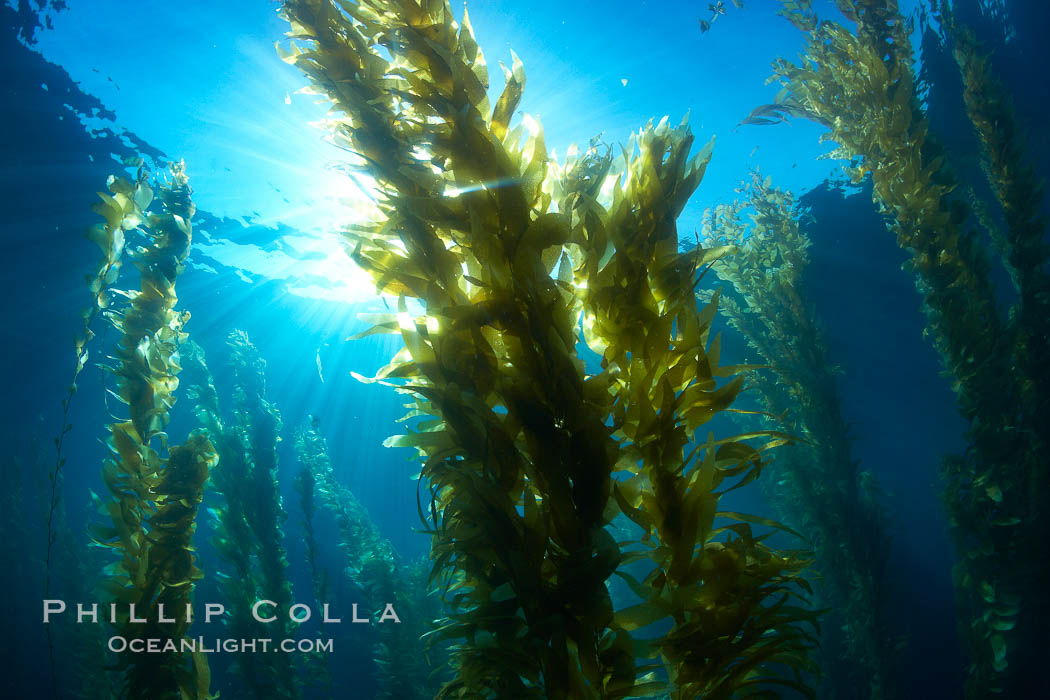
x,y
818,486
861,85
527,455
154,497
316,664
121,210
406,668
249,521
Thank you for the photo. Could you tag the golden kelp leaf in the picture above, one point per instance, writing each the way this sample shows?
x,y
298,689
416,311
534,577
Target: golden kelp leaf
x,y
700,406
639,517
509,99
425,441
641,615
756,520
551,229
636,586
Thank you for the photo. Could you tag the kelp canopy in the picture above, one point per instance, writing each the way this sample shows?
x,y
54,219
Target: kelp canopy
x,y
527,455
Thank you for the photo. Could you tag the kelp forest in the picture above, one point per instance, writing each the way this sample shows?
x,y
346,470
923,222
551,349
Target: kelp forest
x,y
635,467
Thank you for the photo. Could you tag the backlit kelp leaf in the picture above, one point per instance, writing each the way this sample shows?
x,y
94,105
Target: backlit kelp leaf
x,y
522,492
755,520
509,98
153,499
639,517
641,615
1002,625
777,438
638,588
700,406
423,441
649,689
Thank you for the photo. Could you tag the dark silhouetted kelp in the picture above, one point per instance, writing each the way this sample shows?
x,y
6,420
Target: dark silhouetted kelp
x,y
249,522
818,486
406,668
312,453
861,85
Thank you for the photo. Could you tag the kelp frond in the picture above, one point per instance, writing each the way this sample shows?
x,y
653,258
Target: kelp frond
x,y
862,86
250,518
121,210
521,446
311,452
408,668
819,488
154,498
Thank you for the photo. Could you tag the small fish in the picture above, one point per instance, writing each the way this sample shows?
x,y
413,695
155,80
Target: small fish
x,y
739,4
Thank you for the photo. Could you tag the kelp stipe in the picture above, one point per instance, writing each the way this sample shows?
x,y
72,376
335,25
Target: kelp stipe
x,y
122,210
519,443
249,521
308,451
1003,506
406,668
154,499
860,84
714,579
818,487
531,624
258,428
232,538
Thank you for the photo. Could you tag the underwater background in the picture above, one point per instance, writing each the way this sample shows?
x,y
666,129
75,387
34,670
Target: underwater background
x,y
301,499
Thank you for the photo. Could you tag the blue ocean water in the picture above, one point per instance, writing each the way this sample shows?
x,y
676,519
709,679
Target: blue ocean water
x,y
87,83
